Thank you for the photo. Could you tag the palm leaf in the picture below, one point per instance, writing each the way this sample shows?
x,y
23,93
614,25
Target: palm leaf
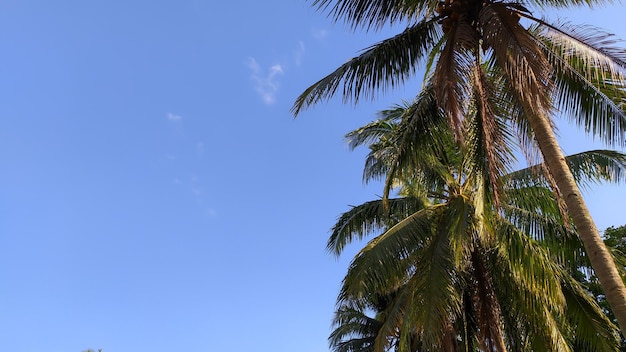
x,y
587,168
373,14
589,77
486,304
354,331
384,65
559,4
515,51
489,140
453,70
384,262
435,293
394,323
529,263
593,331
416,148
365,219
528,310
377,130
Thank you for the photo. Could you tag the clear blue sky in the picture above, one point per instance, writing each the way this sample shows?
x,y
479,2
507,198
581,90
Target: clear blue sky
x,y
155,193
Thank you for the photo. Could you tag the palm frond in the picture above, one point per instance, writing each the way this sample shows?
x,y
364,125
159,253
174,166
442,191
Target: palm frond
x,y
587,168
435,292
596,166
417,147
530,314
452,72
560,4
589,78
486,305
384,65
559,240
489,139
367,218
394,329
509,105
592,330
373,14
354,331
384,262
530,264
376,130
515,51
589,44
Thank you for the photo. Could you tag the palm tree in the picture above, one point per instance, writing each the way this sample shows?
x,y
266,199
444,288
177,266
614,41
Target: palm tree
x,y
481,49
450,271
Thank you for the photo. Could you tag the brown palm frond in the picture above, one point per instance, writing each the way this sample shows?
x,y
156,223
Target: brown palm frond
x,y
516,51
450,341
491,142
453,71
486,305
394,320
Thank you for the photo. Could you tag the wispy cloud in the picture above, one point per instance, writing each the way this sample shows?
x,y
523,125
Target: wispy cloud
x,y
200,148
299,53
265,81
174,117
319,34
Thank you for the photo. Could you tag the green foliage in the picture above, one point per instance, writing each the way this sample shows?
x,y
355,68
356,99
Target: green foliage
x,y
479,234
615,240
450,266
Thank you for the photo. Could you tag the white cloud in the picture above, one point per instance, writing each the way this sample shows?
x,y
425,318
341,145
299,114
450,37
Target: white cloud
x,y
265,82
200,148
253,65
299,53
197,191
174,117
320,34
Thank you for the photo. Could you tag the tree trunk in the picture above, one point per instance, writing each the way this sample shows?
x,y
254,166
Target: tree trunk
x,y
601,260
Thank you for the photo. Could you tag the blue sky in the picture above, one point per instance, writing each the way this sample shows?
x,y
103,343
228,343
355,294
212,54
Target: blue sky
x,y
156,194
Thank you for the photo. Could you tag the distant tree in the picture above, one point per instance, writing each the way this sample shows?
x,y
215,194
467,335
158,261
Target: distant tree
x,y
615,238
615,241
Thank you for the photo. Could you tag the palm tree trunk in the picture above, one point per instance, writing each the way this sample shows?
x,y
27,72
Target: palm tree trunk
x,y
601,260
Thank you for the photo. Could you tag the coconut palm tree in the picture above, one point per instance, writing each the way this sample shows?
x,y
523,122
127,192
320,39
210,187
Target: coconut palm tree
x,y
450,270
513,65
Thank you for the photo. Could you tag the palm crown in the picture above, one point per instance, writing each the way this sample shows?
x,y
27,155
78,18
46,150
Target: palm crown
x,y
577,69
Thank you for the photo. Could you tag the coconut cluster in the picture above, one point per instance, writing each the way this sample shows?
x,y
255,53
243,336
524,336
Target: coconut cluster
x,y
451,10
